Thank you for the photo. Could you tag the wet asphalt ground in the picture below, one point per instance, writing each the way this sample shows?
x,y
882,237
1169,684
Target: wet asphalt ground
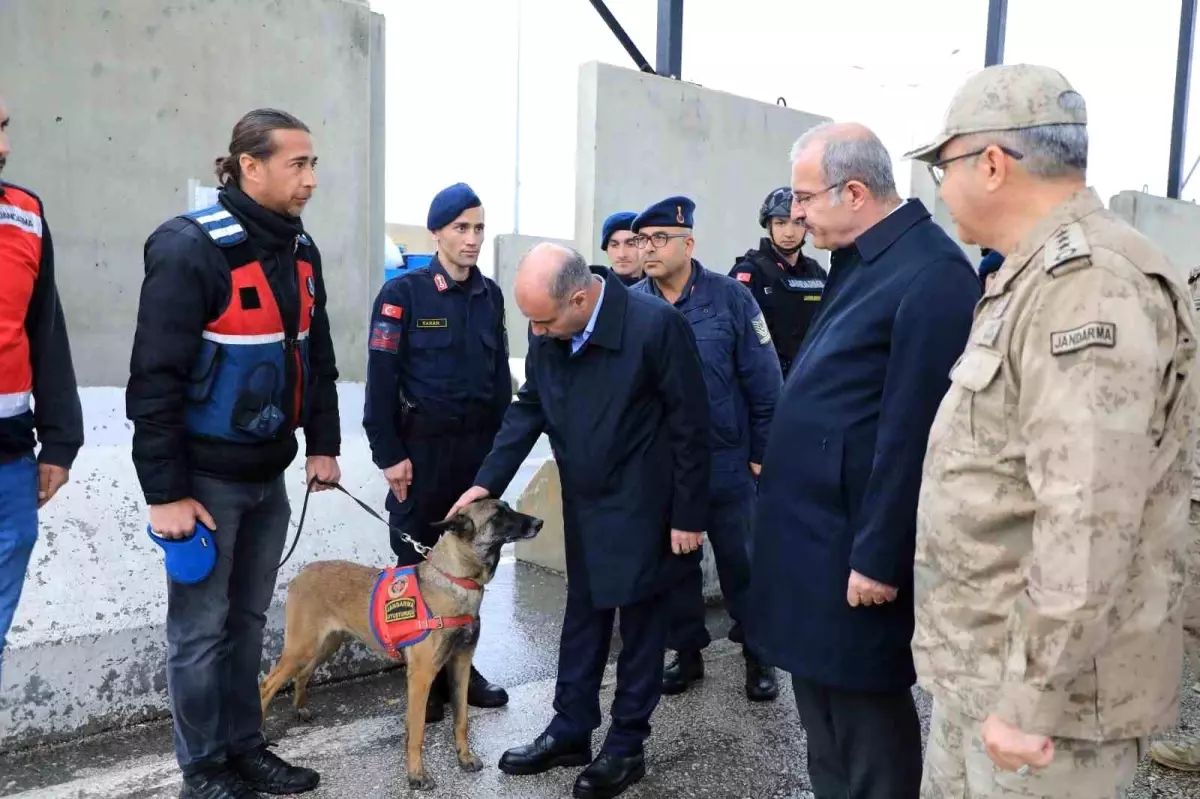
x,y
708,742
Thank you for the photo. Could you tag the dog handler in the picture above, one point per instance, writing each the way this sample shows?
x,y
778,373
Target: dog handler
x,y
438,384
231,355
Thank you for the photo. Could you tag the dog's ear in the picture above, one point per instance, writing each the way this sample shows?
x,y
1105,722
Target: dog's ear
x,y
460,524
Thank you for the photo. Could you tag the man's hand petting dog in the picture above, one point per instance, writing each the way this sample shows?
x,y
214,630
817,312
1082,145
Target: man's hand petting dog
x,y
470,495
176,520
323,467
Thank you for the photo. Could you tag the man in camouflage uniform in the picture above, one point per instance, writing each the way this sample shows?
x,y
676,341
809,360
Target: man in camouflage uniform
x,y
1184,755
1049,562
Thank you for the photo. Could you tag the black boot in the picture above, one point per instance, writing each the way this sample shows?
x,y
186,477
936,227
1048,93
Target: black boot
x,y
265,771
609,776
217,782
682,671
481,693
760,679
544,754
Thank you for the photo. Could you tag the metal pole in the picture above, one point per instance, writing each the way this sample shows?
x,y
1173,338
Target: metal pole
x,y
997,22
1183,82
622,36
669,58
517,135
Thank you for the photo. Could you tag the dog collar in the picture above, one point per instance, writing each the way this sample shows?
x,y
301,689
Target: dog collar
x,y
461,582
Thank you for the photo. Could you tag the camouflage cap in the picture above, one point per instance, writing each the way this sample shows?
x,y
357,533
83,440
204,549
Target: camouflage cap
x,y
1007,97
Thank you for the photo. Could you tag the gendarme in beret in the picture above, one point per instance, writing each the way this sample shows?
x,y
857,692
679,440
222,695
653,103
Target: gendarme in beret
x,y
1007,97
621,220
449,203
672,212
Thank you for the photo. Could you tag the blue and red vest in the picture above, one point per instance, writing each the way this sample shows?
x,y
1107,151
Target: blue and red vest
x,y
250,379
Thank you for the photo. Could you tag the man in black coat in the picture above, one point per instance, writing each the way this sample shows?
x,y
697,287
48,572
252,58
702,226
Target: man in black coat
x,y
832,577
614,377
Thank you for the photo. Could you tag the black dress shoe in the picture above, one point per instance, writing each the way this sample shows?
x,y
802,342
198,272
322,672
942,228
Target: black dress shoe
x,y
544,754
760,679
481,693
685,669
265,771
215,783
609,776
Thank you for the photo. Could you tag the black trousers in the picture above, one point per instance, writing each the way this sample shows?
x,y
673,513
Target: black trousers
x,y
860,745
443,468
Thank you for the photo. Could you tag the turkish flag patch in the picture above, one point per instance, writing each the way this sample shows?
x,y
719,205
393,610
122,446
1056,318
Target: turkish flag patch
x,y
394,311
743,277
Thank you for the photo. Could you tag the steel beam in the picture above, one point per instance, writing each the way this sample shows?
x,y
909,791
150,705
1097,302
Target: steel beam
x,y
997,22
669,58
622,36
1183,82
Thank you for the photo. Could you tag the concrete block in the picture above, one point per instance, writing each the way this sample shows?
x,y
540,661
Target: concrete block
x,y
508,249
143,96
1174,225
87,650
542,497
642,138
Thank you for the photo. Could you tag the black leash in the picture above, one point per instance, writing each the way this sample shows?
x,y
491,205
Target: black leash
x,y
421,549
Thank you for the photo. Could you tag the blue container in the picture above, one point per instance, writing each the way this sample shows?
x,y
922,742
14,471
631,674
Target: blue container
x,y
415,261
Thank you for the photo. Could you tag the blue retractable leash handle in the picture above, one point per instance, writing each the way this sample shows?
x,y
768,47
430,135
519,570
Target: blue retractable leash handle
x,y
190,560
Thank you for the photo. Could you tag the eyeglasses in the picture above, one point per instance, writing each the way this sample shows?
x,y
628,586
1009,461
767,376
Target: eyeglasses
x,y
799,198
937,170
660,239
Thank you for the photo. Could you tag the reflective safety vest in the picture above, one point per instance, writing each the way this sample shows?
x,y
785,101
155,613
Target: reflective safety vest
x,y
249,381
20,262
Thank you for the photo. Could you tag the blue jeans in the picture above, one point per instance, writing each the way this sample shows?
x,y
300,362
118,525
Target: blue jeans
x,y
215,628
18,532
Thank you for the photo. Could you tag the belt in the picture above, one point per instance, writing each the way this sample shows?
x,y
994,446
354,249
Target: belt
x,y
415,424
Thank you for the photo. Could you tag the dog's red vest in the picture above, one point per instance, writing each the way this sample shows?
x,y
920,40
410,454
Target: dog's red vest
x,y
399,615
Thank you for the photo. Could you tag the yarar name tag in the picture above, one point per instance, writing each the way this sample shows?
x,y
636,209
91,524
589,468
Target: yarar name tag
x,y
1093,334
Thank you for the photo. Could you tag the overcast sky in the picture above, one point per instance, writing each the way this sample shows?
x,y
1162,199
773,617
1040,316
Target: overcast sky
x,y
893,64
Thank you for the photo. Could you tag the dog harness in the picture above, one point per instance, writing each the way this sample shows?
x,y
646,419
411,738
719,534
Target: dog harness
x,y
399,615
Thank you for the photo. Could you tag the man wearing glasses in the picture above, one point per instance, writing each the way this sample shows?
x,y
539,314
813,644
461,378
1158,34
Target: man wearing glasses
x,y
831,586
616,239
741,371
1050,559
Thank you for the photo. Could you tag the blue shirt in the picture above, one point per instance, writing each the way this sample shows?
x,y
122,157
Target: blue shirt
x,y
580,338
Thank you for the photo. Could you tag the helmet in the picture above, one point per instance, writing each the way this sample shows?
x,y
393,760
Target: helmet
x,y
778,203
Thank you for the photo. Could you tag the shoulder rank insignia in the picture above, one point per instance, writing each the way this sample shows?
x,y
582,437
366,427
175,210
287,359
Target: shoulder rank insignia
x,y
1069,243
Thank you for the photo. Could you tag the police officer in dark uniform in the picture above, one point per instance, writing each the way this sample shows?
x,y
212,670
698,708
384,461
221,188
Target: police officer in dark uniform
x,y
616,239
231,355
742,375
786,283
438,384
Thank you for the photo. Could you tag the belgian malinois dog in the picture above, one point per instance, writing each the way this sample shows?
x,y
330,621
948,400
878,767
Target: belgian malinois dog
x,y
328,600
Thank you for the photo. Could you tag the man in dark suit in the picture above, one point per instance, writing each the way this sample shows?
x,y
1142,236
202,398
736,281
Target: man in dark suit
x,y
836,517
614,377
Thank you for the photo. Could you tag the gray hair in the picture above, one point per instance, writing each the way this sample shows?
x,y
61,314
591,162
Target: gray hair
x,y
574,275
1049,151
855,154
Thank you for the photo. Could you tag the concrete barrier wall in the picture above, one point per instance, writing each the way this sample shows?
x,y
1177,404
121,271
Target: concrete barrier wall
x,y
508,251
642,138
88,648
1171,224
117,105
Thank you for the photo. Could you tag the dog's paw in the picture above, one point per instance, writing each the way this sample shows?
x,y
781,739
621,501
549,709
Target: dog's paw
x,y
470,762
421,782
305,714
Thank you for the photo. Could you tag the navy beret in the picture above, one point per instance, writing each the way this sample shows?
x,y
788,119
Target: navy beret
x,y
671,212
621,220
990,263
449,203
